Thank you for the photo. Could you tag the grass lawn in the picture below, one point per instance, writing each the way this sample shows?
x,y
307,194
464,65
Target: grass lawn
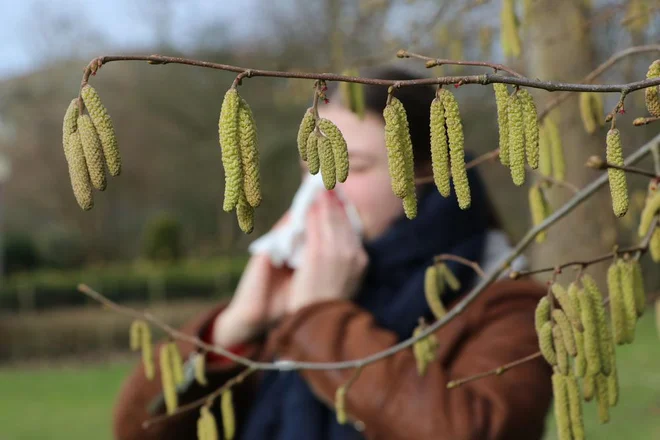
x,y
74,403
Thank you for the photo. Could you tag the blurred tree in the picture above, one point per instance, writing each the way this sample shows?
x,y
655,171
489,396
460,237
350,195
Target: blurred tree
x,y
163,239
20,253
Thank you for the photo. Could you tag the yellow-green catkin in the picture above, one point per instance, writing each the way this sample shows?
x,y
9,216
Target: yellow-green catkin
x,y
546,344
580,364
604,335
560,350
147,352
69,125
448,277
531,124
456,149
406,144
591,334
516,140
104,128
628,298
562,412
509,37
228,417
602,397
575,407
340,404
588,388
353,93
245,215
177,363
617,178
207,429
439,148
423,350
640,290
231,154
93,152
545,155
654,246
395,156
597,109
167,378
652,94
538,205
542,313
327,162
648,214
135,334
586,113
306,127
556,149
313,162
567,306
433,290
339,149
410,206
566,331
247,131
617,311
80,183
613,380
200,369
502,100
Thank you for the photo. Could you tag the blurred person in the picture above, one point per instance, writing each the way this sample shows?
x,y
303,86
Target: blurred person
x,y
354,297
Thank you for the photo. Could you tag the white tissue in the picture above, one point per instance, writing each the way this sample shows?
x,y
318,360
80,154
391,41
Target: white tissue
x,y
286,244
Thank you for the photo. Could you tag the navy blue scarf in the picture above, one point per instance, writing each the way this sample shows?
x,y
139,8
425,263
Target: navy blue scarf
x,y
285,408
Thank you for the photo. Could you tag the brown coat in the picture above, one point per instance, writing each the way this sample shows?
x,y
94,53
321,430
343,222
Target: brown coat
x,y
389,399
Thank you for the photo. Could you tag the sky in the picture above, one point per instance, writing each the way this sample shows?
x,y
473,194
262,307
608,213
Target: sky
x,y
30,30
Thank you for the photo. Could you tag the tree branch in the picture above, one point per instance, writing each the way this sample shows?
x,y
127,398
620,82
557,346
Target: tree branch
x,y
433,62
644,121
494,372
451,257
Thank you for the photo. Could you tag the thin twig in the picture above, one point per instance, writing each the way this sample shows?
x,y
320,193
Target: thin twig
x,y
451,257
494,372
598,163
599,71
494,274
433,62
483,79
644,121
201,401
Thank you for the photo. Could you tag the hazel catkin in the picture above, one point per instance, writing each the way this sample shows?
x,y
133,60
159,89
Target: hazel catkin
x,y
147,352
327,163
539,208
247,132
628,298
586,113
200,369
652,94
542,313
638,283
617,311
602,397
339,149
406,144
575,407
78,173
588,388
560,350
209,429
70,124
545,154
546,343
502,100
439,148
580,364
395,156
93,152
567,306
306,127
562,412
617,178
135,334
228,416
456,149
245,215
556,149
433,290
648,214
509,36
340,404
410,206
103,125
566,331
177,363
313,161
591,334
530,121
604,335
231,154
516,140
167,378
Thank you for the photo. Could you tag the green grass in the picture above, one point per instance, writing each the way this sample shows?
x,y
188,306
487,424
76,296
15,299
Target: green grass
x,y
76,403
60,403
637,415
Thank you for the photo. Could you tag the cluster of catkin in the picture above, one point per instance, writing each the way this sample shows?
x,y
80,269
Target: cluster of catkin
x,y
652,94
240,159
578,330
438,276
447,148
207,428
518,130
140,338
591,111
400,155
89,145
323,147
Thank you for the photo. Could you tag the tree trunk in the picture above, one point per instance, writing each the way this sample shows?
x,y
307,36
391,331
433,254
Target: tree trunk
x,y
558,47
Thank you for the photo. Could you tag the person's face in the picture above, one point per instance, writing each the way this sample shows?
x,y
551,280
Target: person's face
x,y
368,185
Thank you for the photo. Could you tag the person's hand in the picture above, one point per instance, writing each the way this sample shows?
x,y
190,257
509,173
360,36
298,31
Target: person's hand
x,y
335,260
259,301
